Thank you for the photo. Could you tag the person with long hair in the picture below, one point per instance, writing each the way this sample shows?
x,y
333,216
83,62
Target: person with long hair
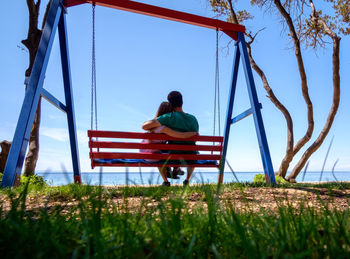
x,y
164,108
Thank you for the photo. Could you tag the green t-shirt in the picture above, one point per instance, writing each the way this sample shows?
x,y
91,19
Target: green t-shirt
x,y
182,122
179,121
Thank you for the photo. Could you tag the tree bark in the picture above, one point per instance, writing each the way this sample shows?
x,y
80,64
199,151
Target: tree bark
x,y
304,87
336,99
270,94
331,115
33,150
5,149
34,34
32,44
291,150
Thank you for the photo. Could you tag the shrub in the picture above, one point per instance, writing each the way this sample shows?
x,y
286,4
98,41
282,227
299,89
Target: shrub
x,y
260,178
33,180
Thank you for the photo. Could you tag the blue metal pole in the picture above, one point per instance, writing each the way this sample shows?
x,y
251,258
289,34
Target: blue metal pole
x,y
62,32
19,145
259,125
231,99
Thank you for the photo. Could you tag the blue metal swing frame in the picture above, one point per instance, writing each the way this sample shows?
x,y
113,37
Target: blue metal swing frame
x,y
56,20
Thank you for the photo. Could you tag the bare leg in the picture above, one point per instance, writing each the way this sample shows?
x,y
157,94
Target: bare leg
x,y
162,171
189,173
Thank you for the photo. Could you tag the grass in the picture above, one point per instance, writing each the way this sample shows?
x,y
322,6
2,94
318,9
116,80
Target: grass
x,y
95,226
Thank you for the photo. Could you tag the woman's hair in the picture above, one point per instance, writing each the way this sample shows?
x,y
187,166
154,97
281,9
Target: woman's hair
x,y
164,107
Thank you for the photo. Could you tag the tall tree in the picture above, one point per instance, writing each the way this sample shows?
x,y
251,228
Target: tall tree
x,y
32,44
309,26
313,31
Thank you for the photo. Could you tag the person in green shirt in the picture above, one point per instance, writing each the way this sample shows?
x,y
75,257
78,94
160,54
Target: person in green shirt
x,y
177,120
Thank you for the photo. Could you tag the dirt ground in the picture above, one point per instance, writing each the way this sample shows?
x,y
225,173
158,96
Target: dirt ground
x,y
266,198
246,199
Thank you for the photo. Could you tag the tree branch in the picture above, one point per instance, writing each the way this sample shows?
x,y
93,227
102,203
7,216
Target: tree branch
x,y
290,135
233,13
336,97
302,73
252,38
34,34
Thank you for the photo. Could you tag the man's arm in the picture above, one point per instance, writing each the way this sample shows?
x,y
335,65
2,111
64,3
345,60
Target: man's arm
x,y
178,134
147,125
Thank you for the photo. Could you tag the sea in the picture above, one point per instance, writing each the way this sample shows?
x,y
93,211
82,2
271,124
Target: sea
x,y
153,178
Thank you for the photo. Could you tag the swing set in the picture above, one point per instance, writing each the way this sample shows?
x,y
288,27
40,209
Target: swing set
x,y
99,141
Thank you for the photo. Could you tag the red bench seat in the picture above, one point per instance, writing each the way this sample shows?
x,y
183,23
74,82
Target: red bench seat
x,y
112,148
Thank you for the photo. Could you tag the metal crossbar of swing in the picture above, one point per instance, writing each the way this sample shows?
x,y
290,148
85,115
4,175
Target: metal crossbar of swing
x,y
244,114
164,13
56,19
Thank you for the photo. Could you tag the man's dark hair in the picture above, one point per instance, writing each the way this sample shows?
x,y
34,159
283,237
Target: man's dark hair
x,y
175,99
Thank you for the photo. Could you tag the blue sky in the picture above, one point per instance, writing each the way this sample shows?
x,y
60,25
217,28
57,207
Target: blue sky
x,y
140,59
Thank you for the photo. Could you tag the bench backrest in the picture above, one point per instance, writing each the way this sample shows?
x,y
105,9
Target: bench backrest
x,y
127,145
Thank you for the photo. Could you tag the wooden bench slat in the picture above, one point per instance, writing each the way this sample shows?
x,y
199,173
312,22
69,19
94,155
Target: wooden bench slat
x,y
151,136
130,145
110,155
151,165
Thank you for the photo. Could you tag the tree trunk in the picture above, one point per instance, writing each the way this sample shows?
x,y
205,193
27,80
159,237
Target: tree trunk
x,y
34,34
33,150
270,94
291,150
32,44
5,149
336,99
304,87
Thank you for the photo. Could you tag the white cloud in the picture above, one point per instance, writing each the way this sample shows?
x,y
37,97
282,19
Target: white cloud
x,y
131,110
82,137
56,117
61,134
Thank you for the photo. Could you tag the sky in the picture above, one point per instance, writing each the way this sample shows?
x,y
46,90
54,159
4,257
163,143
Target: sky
x,y
140,59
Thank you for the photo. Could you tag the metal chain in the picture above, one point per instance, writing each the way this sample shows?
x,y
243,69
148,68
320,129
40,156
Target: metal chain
x,y
93,74
217,75
217,87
